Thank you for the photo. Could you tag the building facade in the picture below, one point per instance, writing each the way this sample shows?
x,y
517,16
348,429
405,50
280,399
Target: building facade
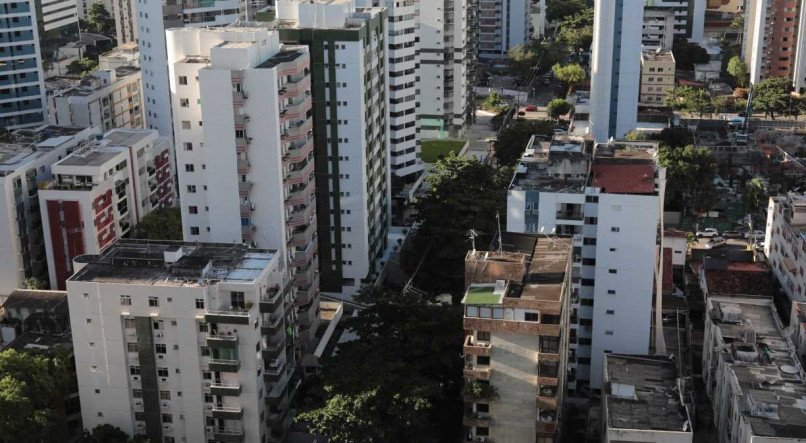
x,y
658,31
350,129
689,17
612,205
100,192
751,372
136,306
106,99
657,76
245,147
785,245
125,14
25,160
615,68
516,316
503,24
448,52
22,97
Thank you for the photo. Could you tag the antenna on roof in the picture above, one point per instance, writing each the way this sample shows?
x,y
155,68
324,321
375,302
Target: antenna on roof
x,y
498,220
473,234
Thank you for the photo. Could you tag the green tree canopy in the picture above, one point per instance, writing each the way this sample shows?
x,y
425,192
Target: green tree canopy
x,y
512,140
30,387
410,391
754,195
675,137
576,31
492,102
689,177
82,66
573,74
771,96
522,58
105,433
558,107
99,20
737,68
686,54
160,224
561,9
724,103
33,283
690,99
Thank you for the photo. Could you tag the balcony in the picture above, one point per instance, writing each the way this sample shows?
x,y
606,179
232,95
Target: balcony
x,y
477,372
299,131
302,236
226,389
301,194
299,152
547,403
274,374
296,110
242,144
306,293
272,300
241,120
238,98
300,175
227,412
276,419
477,348
231,316
303,255
244,188
304,277
273,326
220,365
246,209
243,166
291,89
273,350
228,435
476,419
228,341
247,232
546,427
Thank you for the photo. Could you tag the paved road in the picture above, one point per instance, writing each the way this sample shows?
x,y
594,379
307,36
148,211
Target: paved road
x,y
477,133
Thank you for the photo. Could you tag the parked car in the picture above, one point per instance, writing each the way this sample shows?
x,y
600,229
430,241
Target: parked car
x,y
707,232
531,108
757,235
732,234
715,242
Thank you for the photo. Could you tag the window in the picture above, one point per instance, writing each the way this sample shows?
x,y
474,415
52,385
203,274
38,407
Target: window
x,y
608,332
614,229
610,312
89,321
153,301
189,167
482,361
137,393
128,323
591,199
188,146
550,345
125,300
612,271
140,416
134,370
531,316
589,241
184,103
203,327
208,398
205,351
162,372
185,124
207,375
160,348
167,418
183,80
199,303
194,230
131,347
165,395
611,291
191,189
193,209
483,335
612,249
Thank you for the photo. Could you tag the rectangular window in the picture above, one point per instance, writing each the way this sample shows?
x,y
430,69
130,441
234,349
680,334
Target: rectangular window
x,y
131,347
194,230
183,80
188,146
612,271
184,103
134,370
185,124
128,323
167,418
165,395
153,301
483,335
611,291
162,372
549,345
589,241
125,300
591,199
610,312
614,229
531,316
608,332
137,393
189,167
160,348
199,303
193,209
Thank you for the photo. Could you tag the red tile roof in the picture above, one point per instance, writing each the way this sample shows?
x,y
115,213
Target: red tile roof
x,y
624,179
668,283
738,281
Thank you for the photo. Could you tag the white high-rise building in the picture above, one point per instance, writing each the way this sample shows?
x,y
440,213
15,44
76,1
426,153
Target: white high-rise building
x,y
615,67
184,341
689,17
242,108
612,206
503,24
351,134
153,19
785,243
22,97
403,53
448,33
125,14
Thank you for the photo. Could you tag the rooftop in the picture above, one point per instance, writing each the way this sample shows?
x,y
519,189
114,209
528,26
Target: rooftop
x,y
173,263
22,146
560,165
624,179
763,363
736,278
643,393
657,55
34,299
32,340
287,54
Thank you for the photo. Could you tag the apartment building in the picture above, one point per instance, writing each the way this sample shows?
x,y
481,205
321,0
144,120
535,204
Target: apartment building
x,y
689,17
773,41
658,29
615,68
25,159
100,192
402,48
184,341
610,198
448,35
242,107
537,18
125,14
516,316
785,245
657,76
153,19
503,24
57,22
105,99
22,91
350,110
751,373
642,400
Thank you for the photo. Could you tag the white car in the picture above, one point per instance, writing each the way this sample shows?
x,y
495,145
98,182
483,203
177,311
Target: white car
x,y
757,235
715,242
707,232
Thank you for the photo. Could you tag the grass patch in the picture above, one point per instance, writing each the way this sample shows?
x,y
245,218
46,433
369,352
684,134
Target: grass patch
x,y
432,149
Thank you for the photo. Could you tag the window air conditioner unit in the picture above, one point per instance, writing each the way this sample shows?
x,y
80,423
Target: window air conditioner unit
x,y
136,377
209,429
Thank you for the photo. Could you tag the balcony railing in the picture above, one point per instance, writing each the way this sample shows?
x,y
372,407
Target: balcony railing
x,y
304,276
564,215
303,256
227,412
222,341
303,236
482,349
271,301
274,374
244,188
226,389
477,372
232,316
222,365
302,195
228,435
300,175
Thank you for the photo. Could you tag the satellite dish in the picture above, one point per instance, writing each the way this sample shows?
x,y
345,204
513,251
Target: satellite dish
x,y
789,369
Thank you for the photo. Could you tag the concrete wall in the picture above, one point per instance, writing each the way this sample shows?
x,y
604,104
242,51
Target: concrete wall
x,y
514,367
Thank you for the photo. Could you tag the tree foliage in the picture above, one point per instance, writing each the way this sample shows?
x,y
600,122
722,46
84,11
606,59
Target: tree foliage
x,y
771,96
558,107
105,433
33,283
689,177
512,140
737,68
30,387
686,54
160,224
754,195
690,99
82,66
522,58
576,31
492,102
407,391
675,137
573,74
463,194
99,20
561,9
